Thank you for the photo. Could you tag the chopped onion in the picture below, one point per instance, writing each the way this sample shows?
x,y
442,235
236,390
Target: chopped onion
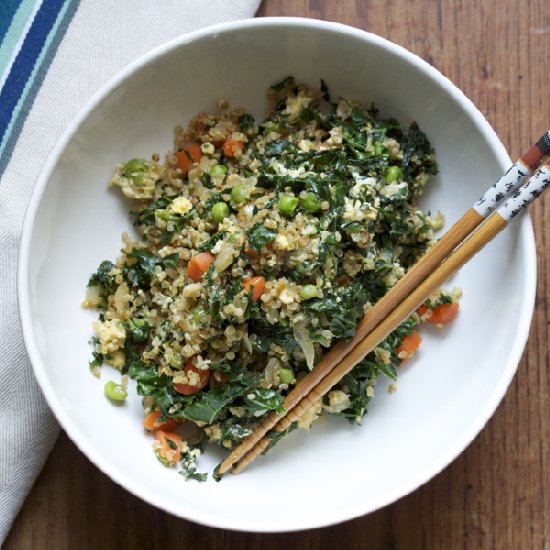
x,y
92,296
121,300
301,335
269,372
224,258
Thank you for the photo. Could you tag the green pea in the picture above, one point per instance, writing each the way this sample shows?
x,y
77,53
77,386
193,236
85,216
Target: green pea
x,y
218,170
286,376
311,202
220,211
309,291
393,173
115,391
287,205
136,169
237,195
136,165
139,179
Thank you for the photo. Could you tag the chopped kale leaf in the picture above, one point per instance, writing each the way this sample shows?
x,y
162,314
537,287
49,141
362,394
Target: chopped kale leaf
x,y
259,235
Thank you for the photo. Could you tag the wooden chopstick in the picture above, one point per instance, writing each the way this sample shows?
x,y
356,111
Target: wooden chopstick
x,y
417,297
496,223
332,361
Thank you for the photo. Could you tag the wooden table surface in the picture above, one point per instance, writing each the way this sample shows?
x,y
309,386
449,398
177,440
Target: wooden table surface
x,y
497,493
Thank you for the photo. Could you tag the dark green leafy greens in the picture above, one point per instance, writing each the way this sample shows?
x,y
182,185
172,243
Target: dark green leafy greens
x,y
189,464
259,235
261,400
343,308
142,271
208,407
138,328
104,280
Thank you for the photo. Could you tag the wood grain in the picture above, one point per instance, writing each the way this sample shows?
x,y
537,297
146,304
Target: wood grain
x,y
497,493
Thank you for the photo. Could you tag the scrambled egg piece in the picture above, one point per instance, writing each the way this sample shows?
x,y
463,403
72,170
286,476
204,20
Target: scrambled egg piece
x,y
181,205
111,336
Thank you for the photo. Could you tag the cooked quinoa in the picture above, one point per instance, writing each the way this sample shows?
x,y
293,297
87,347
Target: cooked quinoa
x,y
259,246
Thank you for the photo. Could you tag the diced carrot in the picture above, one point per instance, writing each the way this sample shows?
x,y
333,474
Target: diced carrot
x,y
233,147
198,378
169,446
256,285
198,265
440,315
409,345
151,422
188,155
422,310
444,314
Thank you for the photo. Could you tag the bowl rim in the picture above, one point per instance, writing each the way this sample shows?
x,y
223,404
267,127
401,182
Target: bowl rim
x,y
526,240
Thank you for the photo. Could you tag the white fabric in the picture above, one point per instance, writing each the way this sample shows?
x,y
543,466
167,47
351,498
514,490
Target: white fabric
x,y
103,36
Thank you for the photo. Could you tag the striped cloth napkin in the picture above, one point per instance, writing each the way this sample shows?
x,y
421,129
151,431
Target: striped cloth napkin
x,y
54,54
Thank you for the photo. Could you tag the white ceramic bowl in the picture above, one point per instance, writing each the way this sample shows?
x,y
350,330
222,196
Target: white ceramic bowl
x,y
337,472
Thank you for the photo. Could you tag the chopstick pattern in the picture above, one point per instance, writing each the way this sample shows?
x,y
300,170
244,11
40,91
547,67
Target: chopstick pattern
x,y
524,196
514,177
511,181
430,272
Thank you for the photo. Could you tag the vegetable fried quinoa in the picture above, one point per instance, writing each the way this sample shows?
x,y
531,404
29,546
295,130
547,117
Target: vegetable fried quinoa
x,y
259,247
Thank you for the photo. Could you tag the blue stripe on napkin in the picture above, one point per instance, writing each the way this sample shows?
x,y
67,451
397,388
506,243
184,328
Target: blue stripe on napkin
x,y
9,7
29,69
